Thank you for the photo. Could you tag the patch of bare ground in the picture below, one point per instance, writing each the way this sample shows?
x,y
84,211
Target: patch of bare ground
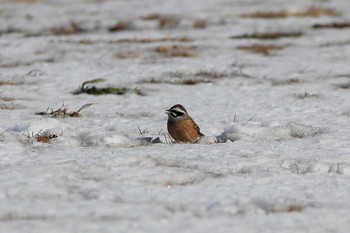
x,y
176,50
120,26
11,217
153,16
311,12
164,39
9,83
182,78
343,81
334,25
199,24
6,99
263,49
6,107
10,30
345,85
343,75
268,35
164,21
137,40
87,88
127,55
71,28
291,81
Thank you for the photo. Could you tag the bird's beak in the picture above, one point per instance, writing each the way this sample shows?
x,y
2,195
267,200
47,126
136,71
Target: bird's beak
x,y
167,111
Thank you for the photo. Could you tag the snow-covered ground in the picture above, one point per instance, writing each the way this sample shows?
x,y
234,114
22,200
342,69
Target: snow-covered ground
x,y
287,112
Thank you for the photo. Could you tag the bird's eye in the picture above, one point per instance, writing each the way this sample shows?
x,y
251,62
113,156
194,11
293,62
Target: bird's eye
x,y
176,113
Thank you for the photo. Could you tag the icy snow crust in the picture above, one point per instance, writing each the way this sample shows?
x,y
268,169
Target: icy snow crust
x,y
284,168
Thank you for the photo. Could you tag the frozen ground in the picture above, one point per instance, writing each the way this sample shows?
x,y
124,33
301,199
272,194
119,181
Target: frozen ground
x,y
288,112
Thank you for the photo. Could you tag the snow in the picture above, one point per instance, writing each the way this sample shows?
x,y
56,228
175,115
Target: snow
x,y
284,165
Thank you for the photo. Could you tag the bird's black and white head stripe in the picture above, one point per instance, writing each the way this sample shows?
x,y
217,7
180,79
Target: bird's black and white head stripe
x,y
177,111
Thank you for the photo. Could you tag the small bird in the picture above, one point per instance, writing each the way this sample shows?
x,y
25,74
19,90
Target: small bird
x,y
181,126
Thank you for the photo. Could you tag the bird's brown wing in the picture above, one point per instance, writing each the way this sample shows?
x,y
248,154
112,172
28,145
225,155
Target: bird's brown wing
x,y
197,128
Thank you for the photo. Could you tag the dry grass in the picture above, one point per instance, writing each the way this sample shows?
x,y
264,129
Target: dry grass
x,y
71,28
6,107
152,17
168,22
199,24
291,81
294,208
6,99
343,75
211,74
176,50
41,137
87,88
181,78
121,25
127,55
269,35
186,81
262,48
9,30
93,90
335,25
63,111
344,85
164,21
311,12
8,83
138,41
165,39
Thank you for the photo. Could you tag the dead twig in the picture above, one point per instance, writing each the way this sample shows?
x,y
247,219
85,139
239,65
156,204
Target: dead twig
x,y
77,113
160,131
142,132
251,118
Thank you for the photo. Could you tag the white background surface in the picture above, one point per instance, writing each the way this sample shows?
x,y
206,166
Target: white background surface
x,y
287,172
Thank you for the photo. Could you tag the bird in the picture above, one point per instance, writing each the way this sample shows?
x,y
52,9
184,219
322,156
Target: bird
x,y
181,126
